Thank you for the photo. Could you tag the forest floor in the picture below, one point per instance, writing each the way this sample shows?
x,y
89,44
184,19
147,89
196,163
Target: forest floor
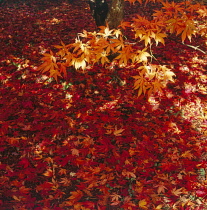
x,y
164,169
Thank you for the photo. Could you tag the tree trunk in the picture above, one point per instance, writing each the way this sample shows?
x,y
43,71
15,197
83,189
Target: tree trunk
x,y
103,13
115,14
99,10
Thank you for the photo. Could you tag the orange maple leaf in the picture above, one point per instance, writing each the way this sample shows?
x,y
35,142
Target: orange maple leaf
x,y
76,195
75,152
161,188
115,197
187,154
118,132
125,24
48,173
177,192
128,174
24,190
158,37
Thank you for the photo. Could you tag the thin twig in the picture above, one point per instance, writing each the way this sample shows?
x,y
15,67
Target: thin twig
x,y
195,48
191,46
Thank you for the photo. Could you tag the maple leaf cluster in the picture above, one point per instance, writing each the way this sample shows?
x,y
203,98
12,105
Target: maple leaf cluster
x,y
110,45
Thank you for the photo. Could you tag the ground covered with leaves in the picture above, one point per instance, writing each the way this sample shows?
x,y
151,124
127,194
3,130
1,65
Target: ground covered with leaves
x,y
88,142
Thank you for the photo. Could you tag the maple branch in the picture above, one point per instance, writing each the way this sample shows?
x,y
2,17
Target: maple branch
x,y
195,48
152,55
191,46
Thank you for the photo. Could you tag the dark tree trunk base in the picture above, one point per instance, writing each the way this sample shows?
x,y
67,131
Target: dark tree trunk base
x,y
99,9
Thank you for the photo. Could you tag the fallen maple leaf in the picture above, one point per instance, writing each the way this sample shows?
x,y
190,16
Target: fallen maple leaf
x,y
142,204
158,207
48,173
169,75
187,154
75,152
76,195
118,132
161,188
24,189
128,174
177,192
62,171
65,181
16,198
115,197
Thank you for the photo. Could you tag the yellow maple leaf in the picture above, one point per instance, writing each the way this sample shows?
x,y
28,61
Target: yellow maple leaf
x,y
79,63
147,39
158,37
159,207
202,12
169,75
142,204
105,32
84,34
143,55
